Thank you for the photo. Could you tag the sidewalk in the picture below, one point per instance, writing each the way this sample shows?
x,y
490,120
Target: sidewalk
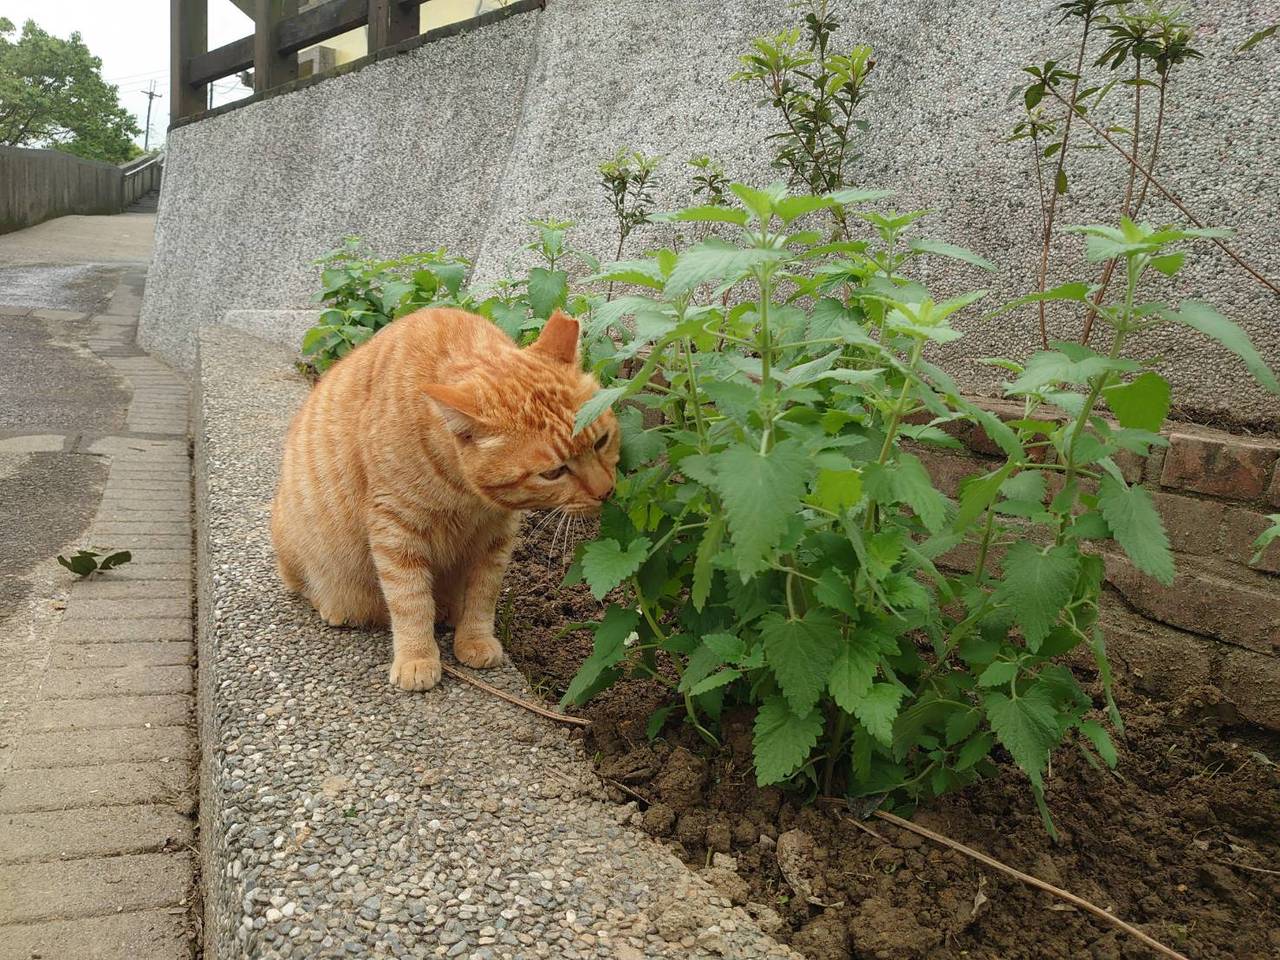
x,y
97,750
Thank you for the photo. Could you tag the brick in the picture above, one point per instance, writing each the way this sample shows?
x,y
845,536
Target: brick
x,y
126,608
111,712
141,654
144,935
1242,529
99,785
78,748
65,684
1219,464
1194,526
104,588
87,888
124,629
949,469
1273,495
1204,604
1252,681
1158,659
101,832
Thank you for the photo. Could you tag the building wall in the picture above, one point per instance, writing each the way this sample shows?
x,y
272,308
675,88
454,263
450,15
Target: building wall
x,y
463,140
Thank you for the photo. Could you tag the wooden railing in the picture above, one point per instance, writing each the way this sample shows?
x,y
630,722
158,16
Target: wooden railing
x,y
280,31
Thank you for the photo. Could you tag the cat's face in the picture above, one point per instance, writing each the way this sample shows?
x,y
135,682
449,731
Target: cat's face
x,y
514,429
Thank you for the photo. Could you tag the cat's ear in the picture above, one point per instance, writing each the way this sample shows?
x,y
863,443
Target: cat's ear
x,y
559,339
457,407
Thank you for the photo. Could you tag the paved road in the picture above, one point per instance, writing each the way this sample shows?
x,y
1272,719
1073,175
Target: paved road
x,y
96,677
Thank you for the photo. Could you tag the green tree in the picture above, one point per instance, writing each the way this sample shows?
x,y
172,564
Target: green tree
x,y
52,95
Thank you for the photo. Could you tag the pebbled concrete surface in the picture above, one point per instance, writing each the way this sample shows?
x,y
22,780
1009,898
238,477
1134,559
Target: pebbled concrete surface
x,y
341,817
470,137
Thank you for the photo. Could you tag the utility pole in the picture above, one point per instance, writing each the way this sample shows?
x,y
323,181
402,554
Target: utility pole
x,y
150,95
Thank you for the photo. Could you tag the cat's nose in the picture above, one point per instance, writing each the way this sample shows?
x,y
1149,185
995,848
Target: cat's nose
x,y
605,493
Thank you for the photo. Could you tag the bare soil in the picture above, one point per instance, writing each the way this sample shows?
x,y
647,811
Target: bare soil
x,y
1183,840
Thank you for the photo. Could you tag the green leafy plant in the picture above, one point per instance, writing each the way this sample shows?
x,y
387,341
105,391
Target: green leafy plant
x,y
709,181
629,177
778,541
362,293
86,562
816,93
1267,537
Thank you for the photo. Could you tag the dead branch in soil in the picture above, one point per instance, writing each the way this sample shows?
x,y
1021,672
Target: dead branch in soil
x,y
512,698
1026,878
1245,866
628,790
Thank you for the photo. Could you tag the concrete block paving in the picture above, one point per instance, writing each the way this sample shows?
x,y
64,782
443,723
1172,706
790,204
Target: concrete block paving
x,y
98,795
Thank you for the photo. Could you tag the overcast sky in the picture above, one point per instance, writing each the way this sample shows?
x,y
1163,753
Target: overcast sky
x,y
132,39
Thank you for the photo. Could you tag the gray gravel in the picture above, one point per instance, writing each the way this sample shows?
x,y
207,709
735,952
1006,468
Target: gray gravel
x,y
340,817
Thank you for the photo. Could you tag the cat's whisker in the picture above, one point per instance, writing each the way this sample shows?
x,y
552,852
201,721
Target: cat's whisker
x,y
543,522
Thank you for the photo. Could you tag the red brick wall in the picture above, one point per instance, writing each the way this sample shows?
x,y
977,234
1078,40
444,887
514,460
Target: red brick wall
x,y
1219,622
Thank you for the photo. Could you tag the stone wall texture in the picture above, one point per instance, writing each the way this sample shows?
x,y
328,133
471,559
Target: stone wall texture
x,y
463,140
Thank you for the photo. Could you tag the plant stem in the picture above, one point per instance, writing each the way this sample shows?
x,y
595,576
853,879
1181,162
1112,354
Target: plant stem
x,y
1047,239
837,745
1173,199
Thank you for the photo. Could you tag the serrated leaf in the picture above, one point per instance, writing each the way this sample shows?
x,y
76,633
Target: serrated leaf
x,y
714,259
727,647
1101,741
761,492
590,411
715,681
115,559
998,674
1037,585
638,445
1257,37
952,251
782,740
961,724
1027,727
1136,526
608,649
1202,317
907,481
801,653
833,589
605,564
548,289
656,721
708,547
1142,403
974,750
877,709
837,490
852,675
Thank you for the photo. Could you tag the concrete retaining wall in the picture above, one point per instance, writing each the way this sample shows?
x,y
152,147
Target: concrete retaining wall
x,y
461,141
38,185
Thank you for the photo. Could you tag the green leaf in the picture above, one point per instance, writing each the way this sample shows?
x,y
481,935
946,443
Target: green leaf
x,y
1037,585
1135,523
715,681
115,559
782,740
708,547
974,750
605,564
656,721
834,590
548,289
801,653
1257,37
1143,403
877,709
837,490
952,251
961,724
1101,741
998,674
638,445
1027,727
761,492
713,259
759,202
1202,317
590,411
852,674
1060,182
608,649
907,481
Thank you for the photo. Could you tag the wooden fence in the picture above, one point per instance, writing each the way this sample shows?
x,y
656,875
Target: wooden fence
x,y
280,31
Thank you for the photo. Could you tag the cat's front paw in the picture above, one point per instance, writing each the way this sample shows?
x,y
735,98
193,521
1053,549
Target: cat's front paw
x,y
478,650
417,673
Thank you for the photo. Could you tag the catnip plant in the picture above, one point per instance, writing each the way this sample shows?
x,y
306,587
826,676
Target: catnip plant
x,y
777,541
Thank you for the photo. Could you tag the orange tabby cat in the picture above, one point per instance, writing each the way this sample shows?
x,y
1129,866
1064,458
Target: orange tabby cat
x,y
406,472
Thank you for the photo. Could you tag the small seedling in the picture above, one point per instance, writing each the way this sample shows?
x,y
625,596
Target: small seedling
x,y
86,562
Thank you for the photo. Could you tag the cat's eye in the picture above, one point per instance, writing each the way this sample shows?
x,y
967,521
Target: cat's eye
x,y
555,474
604,438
